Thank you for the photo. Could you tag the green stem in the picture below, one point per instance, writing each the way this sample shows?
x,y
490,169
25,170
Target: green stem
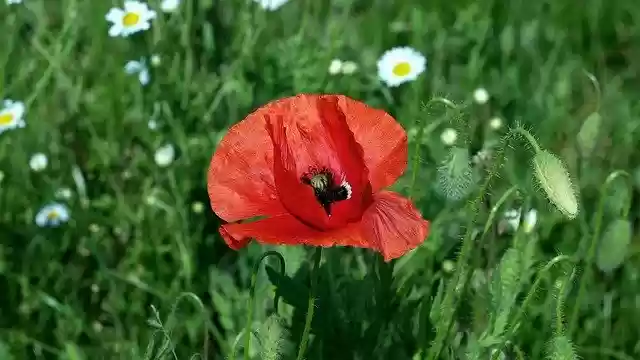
x,y
527,135
251,306
449,303
592,248
311,305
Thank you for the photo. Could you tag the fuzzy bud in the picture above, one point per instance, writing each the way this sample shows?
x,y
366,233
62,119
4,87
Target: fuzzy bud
x,y
554,179
455,175
588,135
614,245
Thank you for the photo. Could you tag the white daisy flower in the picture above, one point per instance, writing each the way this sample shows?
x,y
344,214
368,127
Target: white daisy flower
x,y
133,67
481,96
400,65
349,67
512,218
449,136
335,67
165,155
169,5
52,215
38,162
270,4
134,17
11,115
495,123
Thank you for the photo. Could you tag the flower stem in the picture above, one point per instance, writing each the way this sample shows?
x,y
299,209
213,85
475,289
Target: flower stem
x,y
592,247
311,305
251,305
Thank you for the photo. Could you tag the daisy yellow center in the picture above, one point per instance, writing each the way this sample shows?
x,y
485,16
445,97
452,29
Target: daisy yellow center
x,y
53,215
402,69
6,119
130,19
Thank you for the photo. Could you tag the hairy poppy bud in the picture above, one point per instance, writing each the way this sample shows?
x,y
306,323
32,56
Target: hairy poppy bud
x,y
588,135
614,245
554,179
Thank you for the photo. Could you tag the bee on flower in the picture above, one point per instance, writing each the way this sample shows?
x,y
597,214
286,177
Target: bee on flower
x,y
11,115
135,16
314,169
401,65
52,215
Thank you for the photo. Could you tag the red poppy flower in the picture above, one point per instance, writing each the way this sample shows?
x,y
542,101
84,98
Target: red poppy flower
x,y
313,169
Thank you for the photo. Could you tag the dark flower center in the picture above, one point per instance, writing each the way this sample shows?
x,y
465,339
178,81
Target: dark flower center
x,y
326,190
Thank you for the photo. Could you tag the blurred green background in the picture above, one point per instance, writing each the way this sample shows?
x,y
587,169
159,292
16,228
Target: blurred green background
x,y
140,260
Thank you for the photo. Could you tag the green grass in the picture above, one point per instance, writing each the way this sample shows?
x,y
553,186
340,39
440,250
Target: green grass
x,y
138,241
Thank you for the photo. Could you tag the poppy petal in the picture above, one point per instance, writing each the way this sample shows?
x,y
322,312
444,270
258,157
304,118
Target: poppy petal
x,y
296,197
288,230
393,225
350,156
382,138
240,178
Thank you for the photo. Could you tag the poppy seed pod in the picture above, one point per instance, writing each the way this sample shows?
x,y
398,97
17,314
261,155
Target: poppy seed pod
x,y
313,168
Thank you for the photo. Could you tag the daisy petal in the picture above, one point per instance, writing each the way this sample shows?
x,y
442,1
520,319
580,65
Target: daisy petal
x,y
114,15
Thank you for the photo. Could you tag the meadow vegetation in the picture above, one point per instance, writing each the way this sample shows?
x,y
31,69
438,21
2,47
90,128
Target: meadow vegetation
x,y
524,131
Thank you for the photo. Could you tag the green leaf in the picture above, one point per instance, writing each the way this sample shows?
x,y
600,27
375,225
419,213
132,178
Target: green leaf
x,y
292,292
72,352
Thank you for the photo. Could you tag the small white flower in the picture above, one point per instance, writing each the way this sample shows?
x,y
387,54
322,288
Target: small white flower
x,y
335,67
155,60
11,115
449,136
482,156
9,2
495,123
64,193
270,4
197,207
52,215
152,124
400,65
134,17
481,96
512,218
38,162
169,5
349,67
165,155
133,67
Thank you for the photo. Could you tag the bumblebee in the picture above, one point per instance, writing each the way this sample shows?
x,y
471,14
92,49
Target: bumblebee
x,y
326,190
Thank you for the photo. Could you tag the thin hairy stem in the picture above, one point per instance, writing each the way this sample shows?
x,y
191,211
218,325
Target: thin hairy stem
x,y
251,305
